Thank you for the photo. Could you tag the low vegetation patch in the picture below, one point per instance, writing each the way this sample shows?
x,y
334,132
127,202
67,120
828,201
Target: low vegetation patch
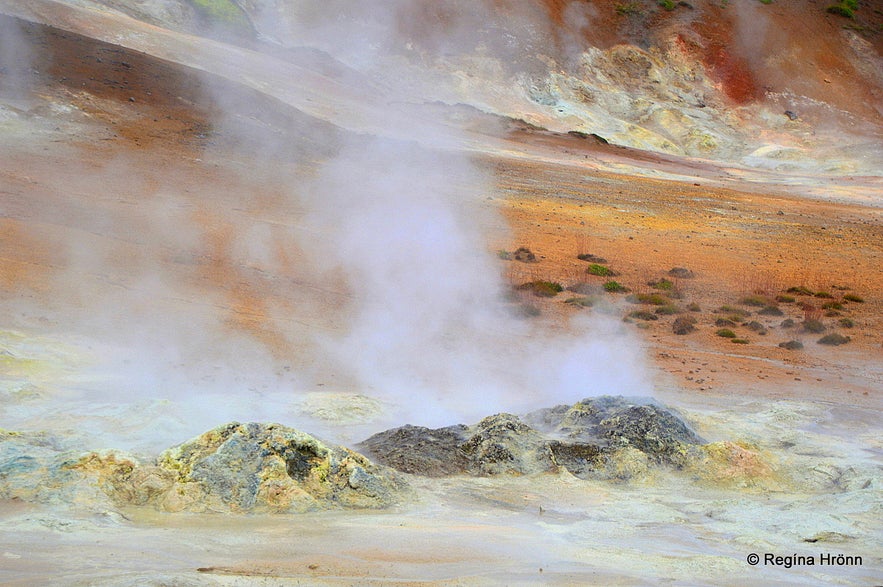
x,y
755,301
580,302
543,289
600,270
726,333
643,315
791,345
834,339
654,299
739,340
668,310
662,284
615,287
771,311
684,325
591,258
800,290
524,255
854,298
725,322
734,311
845,8
847,323
783,299
813,326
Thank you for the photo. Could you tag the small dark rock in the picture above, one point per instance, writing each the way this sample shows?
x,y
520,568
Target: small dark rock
x,y
791,115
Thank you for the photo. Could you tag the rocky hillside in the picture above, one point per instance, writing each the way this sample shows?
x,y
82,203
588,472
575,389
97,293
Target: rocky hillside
x,y
785,85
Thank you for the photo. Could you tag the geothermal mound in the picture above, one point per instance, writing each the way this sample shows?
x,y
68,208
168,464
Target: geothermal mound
x,y
271,468
586,437
233,468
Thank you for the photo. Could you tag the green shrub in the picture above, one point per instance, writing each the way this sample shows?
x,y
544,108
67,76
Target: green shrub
x,y
683,325
543,289
615,287
643,315
841,10
783,299
667,4
771,311
580,302
734,311
823,294
654,299
504,255
724,322
814,326
854,298
668,310
726,333
801,290
663,284
834,339
832,306
739,340
787,323
600,270
847,323
757,301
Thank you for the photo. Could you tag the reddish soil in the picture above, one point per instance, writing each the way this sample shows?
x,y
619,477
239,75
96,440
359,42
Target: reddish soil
x,y
738,241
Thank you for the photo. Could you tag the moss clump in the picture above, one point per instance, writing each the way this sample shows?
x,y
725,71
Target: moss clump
x,y
684,325
823,294
643,315
667,4
542,289
834,339
846,8
600,270
654,299
668,310
726,333
813,326
756,301
854,298
800,290
615,287
739,340
662,284
783,299
580,302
